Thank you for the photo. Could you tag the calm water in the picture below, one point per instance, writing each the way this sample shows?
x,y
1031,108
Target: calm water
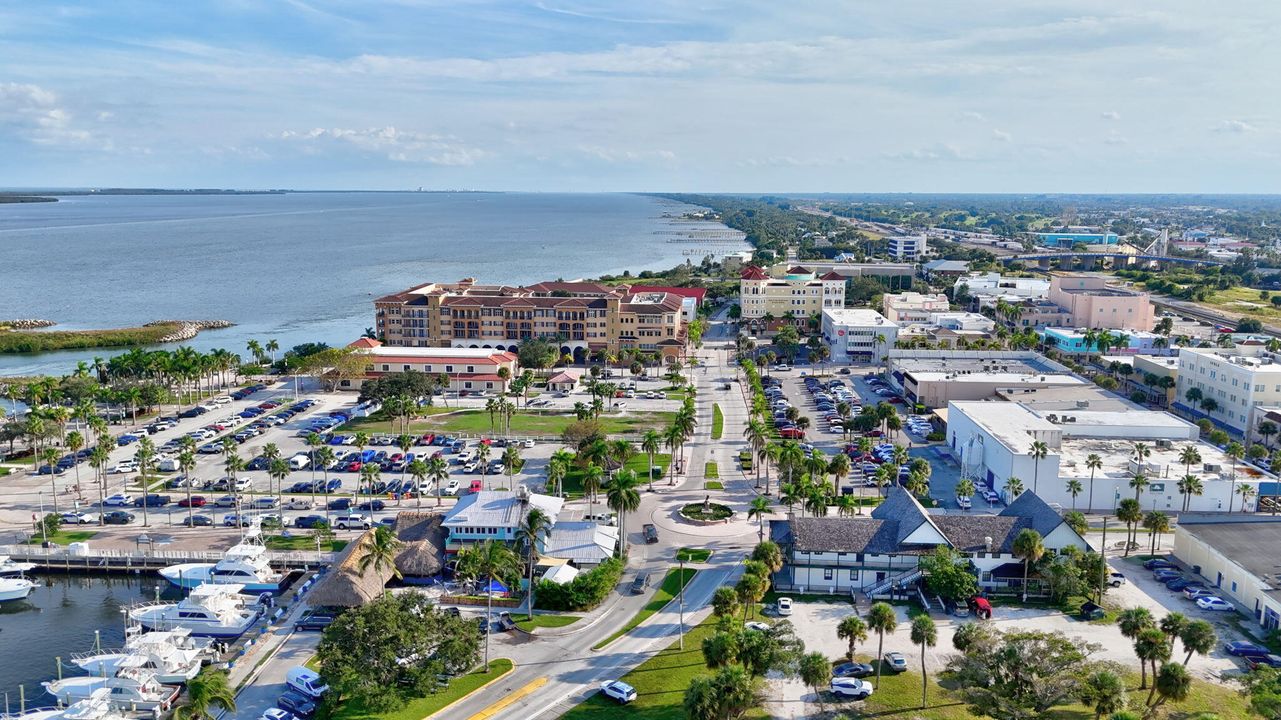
x,y
299,267
58,619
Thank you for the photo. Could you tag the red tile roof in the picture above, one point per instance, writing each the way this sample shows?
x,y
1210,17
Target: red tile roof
x,y
365,343
832,275
751,272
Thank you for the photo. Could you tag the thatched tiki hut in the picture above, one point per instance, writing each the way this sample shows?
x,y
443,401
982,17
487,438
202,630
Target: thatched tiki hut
x,y
423,553
421,556
344,585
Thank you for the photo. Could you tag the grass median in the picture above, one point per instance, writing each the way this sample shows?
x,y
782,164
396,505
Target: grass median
x,y
672,584
547,621
718,421
660,684
456,690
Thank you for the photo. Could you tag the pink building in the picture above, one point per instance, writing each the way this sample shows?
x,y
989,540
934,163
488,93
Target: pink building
x,y
1095,304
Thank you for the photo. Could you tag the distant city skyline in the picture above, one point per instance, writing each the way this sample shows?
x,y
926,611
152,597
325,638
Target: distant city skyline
x,y
575,95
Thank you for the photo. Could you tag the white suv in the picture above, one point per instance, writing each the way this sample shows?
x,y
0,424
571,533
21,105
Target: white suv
x,y
353,522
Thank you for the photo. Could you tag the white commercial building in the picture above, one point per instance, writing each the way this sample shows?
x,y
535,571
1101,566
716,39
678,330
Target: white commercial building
x,y
857,334
1227,555
907,247
993,286
913,307
993,442
935,377
1237,379
962,321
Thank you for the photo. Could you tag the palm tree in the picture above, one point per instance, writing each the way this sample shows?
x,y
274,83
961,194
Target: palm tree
x,y
210,689
839,467
75,441
50,457
592,476
146,455
1197,637
1190,485
1171,683
99,459
488,560
534,528
1028,546
1039,451
1246,492
438,471
1151,646
1074,488
1131,513
325,457
1235,451
272,346
512,462
925,634
882,619
622,498
370,473
650,444
770,453
315,442
380,548
1014,487
1139,482
187,464
1156,523
1093,462
853,630
759,508
277,470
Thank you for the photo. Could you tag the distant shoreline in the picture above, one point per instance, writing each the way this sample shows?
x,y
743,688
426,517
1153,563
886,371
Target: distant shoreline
x,y
24,341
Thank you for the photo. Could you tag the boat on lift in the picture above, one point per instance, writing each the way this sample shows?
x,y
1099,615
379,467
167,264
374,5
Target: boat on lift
x,y
12,568
15,588
243,564
211,610
132,688
166,654
95,707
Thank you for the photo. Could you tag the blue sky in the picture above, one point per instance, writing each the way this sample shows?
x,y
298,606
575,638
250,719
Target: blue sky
x,y
704,95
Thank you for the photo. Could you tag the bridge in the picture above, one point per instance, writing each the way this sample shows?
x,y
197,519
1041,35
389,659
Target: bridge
x,y
1100,256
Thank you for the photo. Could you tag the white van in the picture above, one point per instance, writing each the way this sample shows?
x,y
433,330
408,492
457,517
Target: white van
x,y
305,681
299,462
168,465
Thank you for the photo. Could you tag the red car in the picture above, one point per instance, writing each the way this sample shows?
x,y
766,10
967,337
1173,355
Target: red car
x,y
196,501
792,433
427,439
354,466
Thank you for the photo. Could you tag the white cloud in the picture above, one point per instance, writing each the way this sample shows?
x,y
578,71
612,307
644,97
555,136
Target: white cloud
x,y
1110,115
1234,126
1001,135
616,155
35,114
399,145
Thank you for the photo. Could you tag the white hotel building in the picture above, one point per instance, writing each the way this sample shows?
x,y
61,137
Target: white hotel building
x,y
1239,379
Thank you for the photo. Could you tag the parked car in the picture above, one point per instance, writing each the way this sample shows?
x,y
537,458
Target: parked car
x,y
1254,662
353,522
1198,592
756,625
1243,648
339,504
853,669
195,501
297,504
784,606
309,521
850,687
1157,564
1214,604
1116,579
77,518
152,501
233,520
314,620
896,661
118,500
619,690
297,704
198,521
374,505
118,517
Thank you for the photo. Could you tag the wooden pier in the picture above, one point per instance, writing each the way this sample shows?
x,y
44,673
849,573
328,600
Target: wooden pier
x,y
65,559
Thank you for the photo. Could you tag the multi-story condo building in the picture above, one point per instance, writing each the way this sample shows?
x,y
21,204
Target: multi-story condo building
x,y
1095,304
913,307
1229,383
796,295
907,247
579,317
857,334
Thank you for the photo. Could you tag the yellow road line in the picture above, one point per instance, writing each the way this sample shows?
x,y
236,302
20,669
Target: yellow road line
x,y
494,709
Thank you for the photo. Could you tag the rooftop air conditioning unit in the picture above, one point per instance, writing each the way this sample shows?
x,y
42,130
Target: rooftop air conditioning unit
x,y
1212,467
1164,444
1082,404
1052,418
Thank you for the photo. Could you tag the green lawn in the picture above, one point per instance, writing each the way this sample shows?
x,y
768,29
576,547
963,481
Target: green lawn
x,y
900,697
476,422
573,483
301,542
718,421
1243,300
547,621
660,684
672,583
713,485
711,471
697,555
423,707
64,537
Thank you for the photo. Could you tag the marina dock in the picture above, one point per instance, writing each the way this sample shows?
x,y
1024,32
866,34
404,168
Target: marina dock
x,y
80,560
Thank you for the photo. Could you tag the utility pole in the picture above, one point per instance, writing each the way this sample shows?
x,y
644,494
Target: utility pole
x,y
1103,559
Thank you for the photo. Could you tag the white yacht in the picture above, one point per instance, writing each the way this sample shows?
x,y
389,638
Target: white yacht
x,y
130,689
243,564
95,707
15,588
157,652
12,568
209,611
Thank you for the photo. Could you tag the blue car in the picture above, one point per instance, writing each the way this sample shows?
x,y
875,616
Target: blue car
x,y
367,455
1242,648
126,439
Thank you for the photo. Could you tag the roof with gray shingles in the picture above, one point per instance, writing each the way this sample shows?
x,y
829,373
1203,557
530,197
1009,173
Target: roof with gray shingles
x,y
1043,518
969,533
903,509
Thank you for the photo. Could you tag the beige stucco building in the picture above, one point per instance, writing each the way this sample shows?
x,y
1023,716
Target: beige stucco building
x,y
1093,303
913,307
796,295
1237,559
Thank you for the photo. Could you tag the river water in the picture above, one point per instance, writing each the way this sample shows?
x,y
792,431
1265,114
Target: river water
x,y
303,267
58,619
